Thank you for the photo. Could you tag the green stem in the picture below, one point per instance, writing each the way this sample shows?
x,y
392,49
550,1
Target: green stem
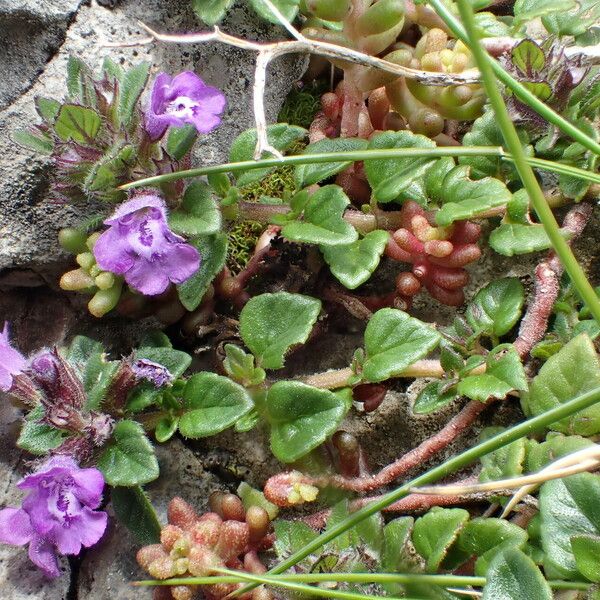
x,y
509,81
511,138
357,155
448,467
365,578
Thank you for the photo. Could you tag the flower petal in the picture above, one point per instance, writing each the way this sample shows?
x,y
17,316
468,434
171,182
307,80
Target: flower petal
x,y
15,527
212,101
180,262
147,277
112,252
187,83
84,530
88,487
43,555
136,203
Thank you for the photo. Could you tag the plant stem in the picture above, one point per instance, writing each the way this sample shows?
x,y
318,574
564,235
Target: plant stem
x,y
446,468
517,88
358,155
509,133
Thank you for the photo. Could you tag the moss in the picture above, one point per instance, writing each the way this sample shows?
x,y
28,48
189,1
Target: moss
x,y
301,105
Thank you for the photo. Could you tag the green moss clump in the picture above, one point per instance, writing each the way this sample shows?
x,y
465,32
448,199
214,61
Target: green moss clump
x,y
301,105
242,241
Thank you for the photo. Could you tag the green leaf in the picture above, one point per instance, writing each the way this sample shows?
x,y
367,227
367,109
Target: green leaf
x,y
572,371
213,250
211,403
465,199
35,139
134,510
288,8
528,57
291,536
586,549
97,378
77,123
302,417
270,324
556,445
166,428
393,341
515,238
568,507
435,532
496,308
354,263
76,70
504,373
526,10
175,361
514,576
131,87
38,438
240,366
129,458
574,22
430,399
281,136
180,141
315,173
321,219
47,108
211,11
505,462
198,213
391,176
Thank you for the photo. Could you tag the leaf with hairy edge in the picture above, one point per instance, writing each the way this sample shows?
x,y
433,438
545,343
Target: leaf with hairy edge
x,y
572,371
270,324
568,507
34,139
575,22
198,213
130,89
281,136
353,264
211,11
180,141
129,458
291,536
213,250
430,399
496,308
505,462
36,437
514,576
393,341
302,417
47,108
134,510
526,10
320,219
586,549
211,403
77,123
317,172
389,177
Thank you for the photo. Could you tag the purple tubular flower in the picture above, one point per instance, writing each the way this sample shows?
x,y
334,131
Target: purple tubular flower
x,y
140,246
153,372
12,361
58,515
183,99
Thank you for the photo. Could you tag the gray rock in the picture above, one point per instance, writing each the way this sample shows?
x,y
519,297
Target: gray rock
x,y
28,221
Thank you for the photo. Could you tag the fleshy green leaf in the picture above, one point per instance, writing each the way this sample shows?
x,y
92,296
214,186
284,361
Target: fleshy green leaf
x,y
464,198
129,458
586,549
572,371
133,509
272,323
131,87
496,307
180,141
166,428
568,507
393,341
288,8
77,123
514,576
317,172
353,264
281,136
321,219
301,417
198,213
435,532
391,176
211,403
211,11
213,250
252,497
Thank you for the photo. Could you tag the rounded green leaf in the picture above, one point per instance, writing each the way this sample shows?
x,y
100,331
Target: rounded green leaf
x,y
211,403
497,306
586,549
133,509
301,417
514,576
353,264
429,399
198,214
271,323
129,457
393,341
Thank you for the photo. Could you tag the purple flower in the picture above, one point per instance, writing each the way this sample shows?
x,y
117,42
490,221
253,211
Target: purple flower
x,y
140,246
153,372
11,361
58,515
183,99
